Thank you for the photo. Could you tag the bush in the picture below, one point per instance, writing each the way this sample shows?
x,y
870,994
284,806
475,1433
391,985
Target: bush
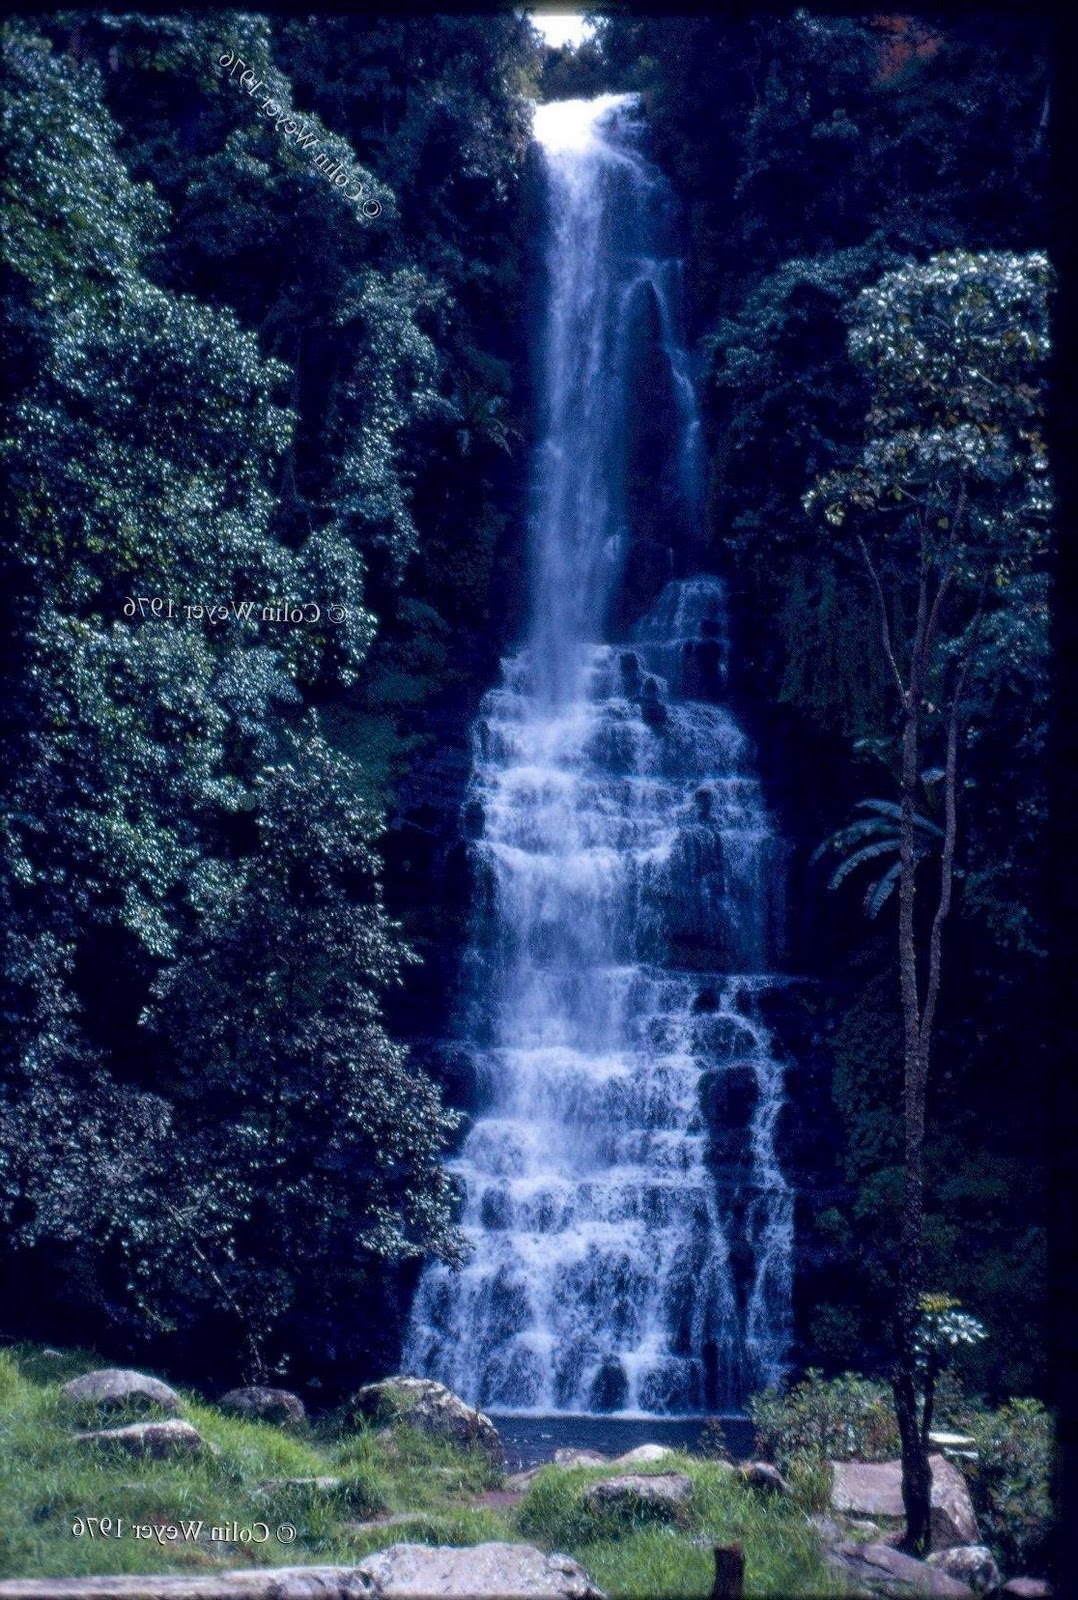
x,y
1011,1480
820,1419
712,1445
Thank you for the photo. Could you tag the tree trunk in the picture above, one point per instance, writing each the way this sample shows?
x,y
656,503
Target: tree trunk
x,y
916,1479
729,1572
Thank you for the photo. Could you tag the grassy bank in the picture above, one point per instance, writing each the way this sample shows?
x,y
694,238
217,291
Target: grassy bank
x,y
51,1484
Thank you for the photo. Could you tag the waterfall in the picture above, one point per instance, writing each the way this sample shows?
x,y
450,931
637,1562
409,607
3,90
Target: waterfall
x,y
631,1228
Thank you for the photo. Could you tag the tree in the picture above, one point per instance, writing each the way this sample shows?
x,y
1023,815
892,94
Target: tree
x,y
947,510
146,813
309,1138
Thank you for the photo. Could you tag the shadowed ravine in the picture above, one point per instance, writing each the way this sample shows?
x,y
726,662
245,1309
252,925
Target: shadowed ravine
x,y
632,1230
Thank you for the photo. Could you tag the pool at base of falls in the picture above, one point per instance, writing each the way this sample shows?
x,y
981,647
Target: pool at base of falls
x,y
531,1438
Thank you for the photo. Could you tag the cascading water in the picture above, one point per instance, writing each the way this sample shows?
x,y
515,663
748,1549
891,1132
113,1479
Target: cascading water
x,y
632,1230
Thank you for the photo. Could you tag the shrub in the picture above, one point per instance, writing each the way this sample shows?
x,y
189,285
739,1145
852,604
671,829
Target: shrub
x,y
823,1419
712,1445
1011,1479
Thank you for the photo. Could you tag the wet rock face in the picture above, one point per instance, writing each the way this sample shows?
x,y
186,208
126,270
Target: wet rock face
x,y
430,1407
118,1388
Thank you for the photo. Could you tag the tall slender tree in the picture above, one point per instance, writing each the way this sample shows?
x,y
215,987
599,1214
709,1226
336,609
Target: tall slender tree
x,y
946,517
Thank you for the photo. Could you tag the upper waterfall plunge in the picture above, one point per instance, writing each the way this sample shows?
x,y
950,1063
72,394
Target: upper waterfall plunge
x,y
632,1229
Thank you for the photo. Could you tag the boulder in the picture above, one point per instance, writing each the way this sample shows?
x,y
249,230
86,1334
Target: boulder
x,y
404,1571
482,1572
430,1407
579,1458
874,1489
762,1475
263,1583
265,1405
662,1498
973,1564
953,1518
881,1570
643,1452
111,1388
1024,1589
156,1439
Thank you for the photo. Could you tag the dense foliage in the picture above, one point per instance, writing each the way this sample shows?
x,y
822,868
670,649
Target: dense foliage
x,y
252,422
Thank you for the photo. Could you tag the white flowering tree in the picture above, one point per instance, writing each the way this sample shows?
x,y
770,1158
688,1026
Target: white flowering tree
x,y
943,1332
946,516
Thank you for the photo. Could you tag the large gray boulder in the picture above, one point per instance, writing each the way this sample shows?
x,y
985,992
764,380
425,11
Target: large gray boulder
x,y
430,1407
265,1405
874,1489
663,1497
156,1439
878,1569
969,1563
403,1572
579,1458
481,1572
113,1388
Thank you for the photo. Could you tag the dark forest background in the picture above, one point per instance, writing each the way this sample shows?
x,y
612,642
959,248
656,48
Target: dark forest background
x,y
234,884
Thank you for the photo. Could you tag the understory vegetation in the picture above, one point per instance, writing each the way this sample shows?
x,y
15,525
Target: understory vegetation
x,y
431,1488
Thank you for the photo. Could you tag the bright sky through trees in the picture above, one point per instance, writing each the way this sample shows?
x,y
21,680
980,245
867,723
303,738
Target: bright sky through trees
x,y
562,27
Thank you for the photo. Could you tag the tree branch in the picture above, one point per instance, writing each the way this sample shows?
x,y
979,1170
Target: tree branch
x,y
935,943
885,626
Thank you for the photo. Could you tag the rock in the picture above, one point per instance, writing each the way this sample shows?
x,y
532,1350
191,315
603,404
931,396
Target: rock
x,y
874,1489
886,1572
113,1387
1024,1589
403,1572
762,1475
319,1485
265,1583
643,1452
579,1458
266,1405
954,1441
973,1564
525,1479
663,1497
429,1406
827,1528
482,1572
157,1439
953,1518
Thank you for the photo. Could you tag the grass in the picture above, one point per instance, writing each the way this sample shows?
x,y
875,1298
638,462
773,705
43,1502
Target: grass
x,y
48,1482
